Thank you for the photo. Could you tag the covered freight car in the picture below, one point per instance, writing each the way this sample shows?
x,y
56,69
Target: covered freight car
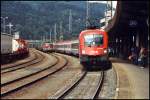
x,y
12,49
6,47
6,43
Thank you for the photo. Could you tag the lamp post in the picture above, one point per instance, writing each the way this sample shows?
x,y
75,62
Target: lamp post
x,y
10,25
4,27
87,13
50,36
55,32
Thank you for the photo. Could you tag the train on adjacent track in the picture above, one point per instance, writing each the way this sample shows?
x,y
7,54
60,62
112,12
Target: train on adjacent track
x,y
47,47
44,46
12,49
91,47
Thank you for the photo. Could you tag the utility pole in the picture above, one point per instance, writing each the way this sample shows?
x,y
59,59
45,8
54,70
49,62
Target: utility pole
x,y
111,4
106,13
50,36
60,27
45,37
70,21
87,13
55,32
10,26
4,27
61,33
41,38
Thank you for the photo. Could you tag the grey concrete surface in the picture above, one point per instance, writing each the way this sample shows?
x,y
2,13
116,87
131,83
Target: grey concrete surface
x,y
139,79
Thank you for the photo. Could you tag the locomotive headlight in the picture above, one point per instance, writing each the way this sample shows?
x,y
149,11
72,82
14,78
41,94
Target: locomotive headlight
x,y
105,51
96,51
83,51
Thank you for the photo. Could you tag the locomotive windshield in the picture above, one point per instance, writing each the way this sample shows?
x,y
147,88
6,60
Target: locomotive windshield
x,y
93,40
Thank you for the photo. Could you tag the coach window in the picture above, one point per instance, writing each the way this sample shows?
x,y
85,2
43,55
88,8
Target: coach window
x,y
75,45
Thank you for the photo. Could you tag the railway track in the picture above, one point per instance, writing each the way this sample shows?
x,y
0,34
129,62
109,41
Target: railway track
x,y
38,58
9,77
11,87
87,86
22,72
26,60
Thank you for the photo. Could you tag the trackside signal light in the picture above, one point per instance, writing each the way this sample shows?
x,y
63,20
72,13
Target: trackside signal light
x,y
105,51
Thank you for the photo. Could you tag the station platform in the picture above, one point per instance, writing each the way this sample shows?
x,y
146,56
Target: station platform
x,y
137,79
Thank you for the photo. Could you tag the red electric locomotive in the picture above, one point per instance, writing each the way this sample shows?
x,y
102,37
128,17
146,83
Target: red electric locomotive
x,y
93,45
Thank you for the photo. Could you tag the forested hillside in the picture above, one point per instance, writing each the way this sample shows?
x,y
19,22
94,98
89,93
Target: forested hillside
x,y
36,18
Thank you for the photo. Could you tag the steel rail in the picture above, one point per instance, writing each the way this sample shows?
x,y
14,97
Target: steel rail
x,y
66,92
24,65
35,80
14,65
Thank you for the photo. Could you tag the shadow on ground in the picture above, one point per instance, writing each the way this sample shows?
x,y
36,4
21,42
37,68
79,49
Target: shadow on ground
x,y
98,67
117,60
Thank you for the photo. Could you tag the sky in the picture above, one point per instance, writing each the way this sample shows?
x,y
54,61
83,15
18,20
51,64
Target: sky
x,y
114,2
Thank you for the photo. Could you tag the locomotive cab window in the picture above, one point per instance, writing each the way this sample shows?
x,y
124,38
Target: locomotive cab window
x,y
93,40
